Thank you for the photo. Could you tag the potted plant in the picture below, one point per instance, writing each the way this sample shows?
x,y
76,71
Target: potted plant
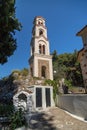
x,y
17,120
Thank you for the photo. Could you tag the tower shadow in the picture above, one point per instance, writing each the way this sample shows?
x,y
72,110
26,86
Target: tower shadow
x,y
42,121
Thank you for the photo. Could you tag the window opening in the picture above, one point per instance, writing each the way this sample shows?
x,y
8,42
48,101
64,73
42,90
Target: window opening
x,y
39,49
40,32
22,97
43,49
43,72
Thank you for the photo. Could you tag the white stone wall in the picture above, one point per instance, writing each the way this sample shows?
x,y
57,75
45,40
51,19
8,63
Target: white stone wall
x,y
22,104
41,41
44,96
75,104
30,105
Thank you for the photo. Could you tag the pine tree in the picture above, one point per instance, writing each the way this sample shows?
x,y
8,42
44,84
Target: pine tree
x,y
8,25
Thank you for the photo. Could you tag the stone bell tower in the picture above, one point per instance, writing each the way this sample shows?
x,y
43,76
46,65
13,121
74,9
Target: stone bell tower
x,y
40,60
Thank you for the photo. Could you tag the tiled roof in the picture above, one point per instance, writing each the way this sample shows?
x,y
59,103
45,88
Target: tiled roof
x,y
81,31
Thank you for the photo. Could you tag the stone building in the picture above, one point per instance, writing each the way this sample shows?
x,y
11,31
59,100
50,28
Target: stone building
x,y
36,96
82,55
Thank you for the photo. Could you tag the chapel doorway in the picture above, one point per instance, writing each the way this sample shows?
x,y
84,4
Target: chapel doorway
x,y
38,97
48,101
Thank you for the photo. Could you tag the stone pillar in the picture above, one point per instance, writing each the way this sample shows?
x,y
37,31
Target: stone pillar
x,y
43,98
30,103
34,98
51,96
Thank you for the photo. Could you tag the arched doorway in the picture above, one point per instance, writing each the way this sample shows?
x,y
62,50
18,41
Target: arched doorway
x,y
40,49
40,32
43,71
22,99
43,49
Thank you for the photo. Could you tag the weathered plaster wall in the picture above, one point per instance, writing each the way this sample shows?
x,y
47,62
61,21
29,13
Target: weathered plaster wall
x,y
75,104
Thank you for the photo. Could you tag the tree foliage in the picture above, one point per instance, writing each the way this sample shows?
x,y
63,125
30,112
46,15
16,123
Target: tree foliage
x,y
8,25
17,119
67,66
23,72
6,110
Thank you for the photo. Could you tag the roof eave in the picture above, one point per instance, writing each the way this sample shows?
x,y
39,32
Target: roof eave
x,y
84,29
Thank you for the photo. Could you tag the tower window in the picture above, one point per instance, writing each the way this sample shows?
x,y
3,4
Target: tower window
x,y
43,49
39,49
40,32
40,22
43,71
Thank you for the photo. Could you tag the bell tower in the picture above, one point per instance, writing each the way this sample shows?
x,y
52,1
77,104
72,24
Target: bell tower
x,y
40,59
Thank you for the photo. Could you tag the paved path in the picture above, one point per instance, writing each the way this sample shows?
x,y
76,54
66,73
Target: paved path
x,y
56,119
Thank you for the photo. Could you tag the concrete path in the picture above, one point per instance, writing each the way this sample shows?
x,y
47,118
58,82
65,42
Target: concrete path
x,y
55,119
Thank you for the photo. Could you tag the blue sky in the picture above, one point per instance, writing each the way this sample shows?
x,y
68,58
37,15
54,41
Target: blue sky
x,y
64,18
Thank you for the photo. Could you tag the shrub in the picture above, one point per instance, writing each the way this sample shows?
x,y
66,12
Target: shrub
x,y
5,110
17,119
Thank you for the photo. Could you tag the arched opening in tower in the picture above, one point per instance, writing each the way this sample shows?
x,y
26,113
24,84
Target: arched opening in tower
x,y
43,72
43,49
40,49
40,32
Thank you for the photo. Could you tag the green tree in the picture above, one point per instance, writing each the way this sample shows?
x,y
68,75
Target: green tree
x,y
67,66
17,119
55,57
25,72
8,25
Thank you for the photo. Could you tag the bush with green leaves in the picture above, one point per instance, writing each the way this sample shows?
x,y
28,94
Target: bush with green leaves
x,y
17,119
6,110
66,66
68,83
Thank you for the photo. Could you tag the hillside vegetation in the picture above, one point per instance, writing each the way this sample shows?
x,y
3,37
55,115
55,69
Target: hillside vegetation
x,y
66,66
11,84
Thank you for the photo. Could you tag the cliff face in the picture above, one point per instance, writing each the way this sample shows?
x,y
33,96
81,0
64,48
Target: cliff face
x,y
17,81
11,85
